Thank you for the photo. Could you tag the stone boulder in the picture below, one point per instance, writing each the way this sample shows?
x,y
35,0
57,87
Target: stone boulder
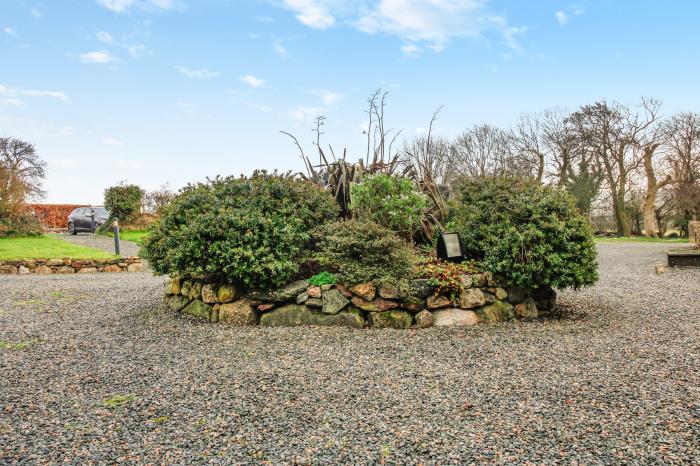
x,y
294,315
186,288
420,288
389,292
517,294
176,302
527,309
198,309
497,312
209,294
196,291
438,301
471,298
390,319
135,267
424,319
377,305
226,293
333,302
454,318
366,291
241,312
282,295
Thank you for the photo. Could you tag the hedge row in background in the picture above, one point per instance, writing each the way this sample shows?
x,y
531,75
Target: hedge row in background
x,y
52,216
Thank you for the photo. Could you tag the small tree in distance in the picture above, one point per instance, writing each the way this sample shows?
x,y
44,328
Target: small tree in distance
x,y
124,201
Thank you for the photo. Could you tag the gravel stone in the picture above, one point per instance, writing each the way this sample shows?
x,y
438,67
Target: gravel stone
x,y
95,370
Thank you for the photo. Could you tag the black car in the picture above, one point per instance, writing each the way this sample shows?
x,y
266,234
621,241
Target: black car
x,y
87,219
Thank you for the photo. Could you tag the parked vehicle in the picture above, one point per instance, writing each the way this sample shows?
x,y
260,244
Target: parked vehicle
x,y
86,219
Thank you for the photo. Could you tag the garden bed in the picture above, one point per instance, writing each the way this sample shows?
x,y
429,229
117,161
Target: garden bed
x,y
482,300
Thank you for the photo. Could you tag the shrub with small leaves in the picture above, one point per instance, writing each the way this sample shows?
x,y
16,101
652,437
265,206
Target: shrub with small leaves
x,y
323,278
123,201
391,201
250,231
525,233
360,251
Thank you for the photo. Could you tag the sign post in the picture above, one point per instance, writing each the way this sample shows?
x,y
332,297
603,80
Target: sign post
x,y
115,226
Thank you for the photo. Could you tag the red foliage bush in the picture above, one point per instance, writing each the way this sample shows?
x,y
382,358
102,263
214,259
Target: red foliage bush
x,y
52,215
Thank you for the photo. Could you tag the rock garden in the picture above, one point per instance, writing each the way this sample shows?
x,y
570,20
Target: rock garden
x,y
275,250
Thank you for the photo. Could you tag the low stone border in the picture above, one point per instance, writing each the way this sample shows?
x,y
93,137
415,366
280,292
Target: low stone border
x,y
482,300
68,266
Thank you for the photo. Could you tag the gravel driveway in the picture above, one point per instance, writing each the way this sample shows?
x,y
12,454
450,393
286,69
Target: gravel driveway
x,y
127,248
94,369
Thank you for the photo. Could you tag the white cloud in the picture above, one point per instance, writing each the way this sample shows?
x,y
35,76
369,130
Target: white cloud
x,y
9,92
113,142
123,163
329,98
280,49
35,13
135,50
312,13
10,31
411,50
67,131
306,114
98,56
420,23
562,18
105,37
54,94
252,81
116,5
199,74
510,37
11,102
190,109
119,6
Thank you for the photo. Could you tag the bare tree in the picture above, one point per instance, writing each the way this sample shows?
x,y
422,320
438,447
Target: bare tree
x,y
21,174
683,140
612,132
482,150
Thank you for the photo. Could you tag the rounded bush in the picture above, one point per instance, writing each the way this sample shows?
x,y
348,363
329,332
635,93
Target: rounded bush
x,y
391,201
123,201
525,233
360,251
247,230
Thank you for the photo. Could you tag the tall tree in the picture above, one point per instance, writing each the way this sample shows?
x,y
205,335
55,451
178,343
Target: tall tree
x,y
613,131
683,140
483,150
21,174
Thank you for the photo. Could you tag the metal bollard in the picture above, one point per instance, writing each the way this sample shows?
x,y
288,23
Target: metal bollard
x,y
115,226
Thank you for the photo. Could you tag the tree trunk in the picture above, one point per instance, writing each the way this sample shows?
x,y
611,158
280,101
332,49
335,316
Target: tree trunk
x,y
650,225
624,227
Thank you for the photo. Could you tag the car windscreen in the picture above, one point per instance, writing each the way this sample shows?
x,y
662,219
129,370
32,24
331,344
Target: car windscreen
x,y
101,212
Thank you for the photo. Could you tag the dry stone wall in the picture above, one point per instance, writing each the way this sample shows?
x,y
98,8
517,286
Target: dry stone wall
x,y
68,266
482,300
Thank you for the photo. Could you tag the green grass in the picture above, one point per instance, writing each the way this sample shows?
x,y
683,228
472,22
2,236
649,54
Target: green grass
x,y
135,236
46,247
641,239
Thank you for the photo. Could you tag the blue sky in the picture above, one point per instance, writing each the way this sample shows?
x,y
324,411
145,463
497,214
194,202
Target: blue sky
x,y
156,91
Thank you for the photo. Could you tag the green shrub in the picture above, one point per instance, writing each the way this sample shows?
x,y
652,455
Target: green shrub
x,y
360,251
123,201
323,278
248,231
445,277
19,225
391,201
525,233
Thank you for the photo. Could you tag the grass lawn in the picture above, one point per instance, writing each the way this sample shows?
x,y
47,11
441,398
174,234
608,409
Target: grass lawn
x,y
46,247
641,239
135,236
